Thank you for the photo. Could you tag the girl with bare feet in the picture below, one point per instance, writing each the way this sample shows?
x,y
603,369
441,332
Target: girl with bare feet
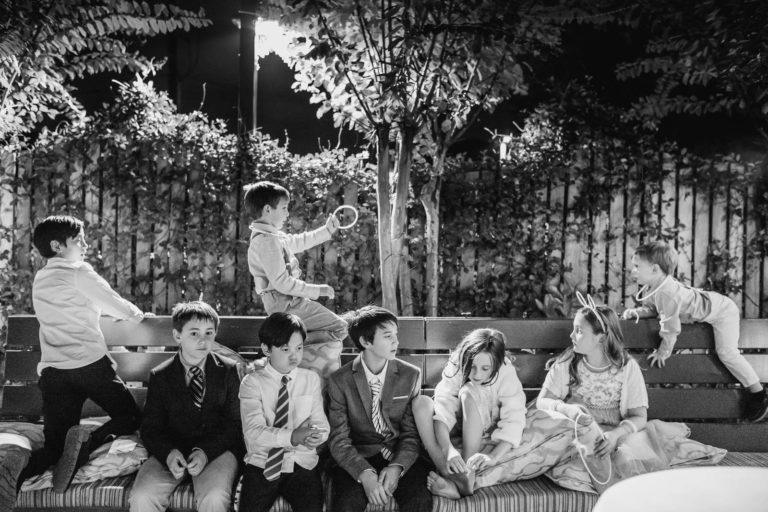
x,y
480,402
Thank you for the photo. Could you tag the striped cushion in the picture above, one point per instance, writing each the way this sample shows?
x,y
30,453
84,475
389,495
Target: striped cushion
x,y
745,459
107,493
536,495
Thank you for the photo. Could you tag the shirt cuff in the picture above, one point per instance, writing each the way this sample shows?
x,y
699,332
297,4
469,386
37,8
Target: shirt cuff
x,y
402,468
360,476
284,438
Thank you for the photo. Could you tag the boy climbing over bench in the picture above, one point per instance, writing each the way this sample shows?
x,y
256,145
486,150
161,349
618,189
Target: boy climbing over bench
x,y
69,297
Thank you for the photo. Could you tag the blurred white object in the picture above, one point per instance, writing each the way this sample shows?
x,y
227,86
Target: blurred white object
x,y
699,489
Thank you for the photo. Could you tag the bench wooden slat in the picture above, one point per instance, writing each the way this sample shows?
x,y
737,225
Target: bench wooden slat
x,y
695,403
445,333
27,401
233,332
736,438
131,366
680,369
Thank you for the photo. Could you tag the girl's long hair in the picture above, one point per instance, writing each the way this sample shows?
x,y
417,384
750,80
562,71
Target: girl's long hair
x,y
614,347
473,343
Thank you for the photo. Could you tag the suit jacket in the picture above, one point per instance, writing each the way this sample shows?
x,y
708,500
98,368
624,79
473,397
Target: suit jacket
x,y
353,436
171,419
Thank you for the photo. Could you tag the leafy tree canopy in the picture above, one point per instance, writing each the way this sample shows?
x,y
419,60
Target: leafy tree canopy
x,y
45,44
707,57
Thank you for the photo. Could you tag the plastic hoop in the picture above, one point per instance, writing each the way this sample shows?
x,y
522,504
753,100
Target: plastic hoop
x,y
346,207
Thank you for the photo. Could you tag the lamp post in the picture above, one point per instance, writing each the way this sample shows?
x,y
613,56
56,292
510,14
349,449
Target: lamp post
x,y
246,105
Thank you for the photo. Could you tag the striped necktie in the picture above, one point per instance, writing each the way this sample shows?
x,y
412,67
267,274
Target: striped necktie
x,y
274,464
197,385
378,419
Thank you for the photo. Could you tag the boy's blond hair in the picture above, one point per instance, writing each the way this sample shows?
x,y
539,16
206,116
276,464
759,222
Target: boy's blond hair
x,y
659,253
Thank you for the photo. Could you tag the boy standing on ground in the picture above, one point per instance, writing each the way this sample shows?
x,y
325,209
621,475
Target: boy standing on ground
x,y
191,419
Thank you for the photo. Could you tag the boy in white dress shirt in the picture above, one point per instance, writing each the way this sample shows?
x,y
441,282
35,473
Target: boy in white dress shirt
x,y
283,423
69,297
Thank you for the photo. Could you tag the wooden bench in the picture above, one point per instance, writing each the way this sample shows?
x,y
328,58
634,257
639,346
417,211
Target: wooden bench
x,y
694,387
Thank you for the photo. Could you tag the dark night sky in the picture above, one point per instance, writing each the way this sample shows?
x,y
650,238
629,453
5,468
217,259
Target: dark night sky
x,y
206,68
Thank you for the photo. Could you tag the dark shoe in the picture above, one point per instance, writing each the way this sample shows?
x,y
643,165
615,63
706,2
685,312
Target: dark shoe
x,y
74,456
757,407
11,465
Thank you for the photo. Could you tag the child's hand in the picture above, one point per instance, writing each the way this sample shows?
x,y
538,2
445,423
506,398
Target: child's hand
x,y
454,462
196,462
606,444
176,464
390,477
479,461
332,224
374,490
300,433
315,439
660,355
327,291
630,313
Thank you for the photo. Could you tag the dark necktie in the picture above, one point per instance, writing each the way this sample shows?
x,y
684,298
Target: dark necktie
x,y
197,385
274,463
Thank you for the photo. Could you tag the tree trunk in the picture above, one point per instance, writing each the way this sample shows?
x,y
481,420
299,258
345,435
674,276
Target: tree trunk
x,y
387,263
405,143
430,199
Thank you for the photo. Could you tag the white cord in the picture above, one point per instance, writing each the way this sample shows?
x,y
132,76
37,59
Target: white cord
x,y
582,449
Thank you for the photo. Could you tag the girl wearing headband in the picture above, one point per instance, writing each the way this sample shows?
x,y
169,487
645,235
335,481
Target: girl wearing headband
x,y
596,379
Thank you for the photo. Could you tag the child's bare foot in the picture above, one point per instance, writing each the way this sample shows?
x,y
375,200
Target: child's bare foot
x,y
439,486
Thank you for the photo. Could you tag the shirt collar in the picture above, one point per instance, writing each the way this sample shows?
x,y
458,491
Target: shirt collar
x,y
62,263
277,375
262,227
369,375
188,367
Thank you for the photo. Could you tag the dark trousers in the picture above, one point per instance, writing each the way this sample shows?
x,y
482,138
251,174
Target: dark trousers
x,y
302,489
64,393
411,494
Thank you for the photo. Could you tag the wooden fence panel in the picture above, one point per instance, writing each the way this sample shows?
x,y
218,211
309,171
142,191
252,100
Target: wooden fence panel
x,y
751,298
685,216
701,234
676,201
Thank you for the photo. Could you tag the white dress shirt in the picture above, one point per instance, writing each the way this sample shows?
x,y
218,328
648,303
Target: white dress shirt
x,y
69,297
258,400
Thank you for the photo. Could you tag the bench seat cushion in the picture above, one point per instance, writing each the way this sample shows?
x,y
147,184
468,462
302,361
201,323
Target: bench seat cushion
x,y
759,459
107,495
536,495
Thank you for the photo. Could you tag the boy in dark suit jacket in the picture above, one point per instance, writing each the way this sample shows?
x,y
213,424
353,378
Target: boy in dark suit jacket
x,y
373,435
191,419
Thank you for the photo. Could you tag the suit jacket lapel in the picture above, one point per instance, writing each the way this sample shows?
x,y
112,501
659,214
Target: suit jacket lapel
x,y
388,391
358,374
213,380
178,382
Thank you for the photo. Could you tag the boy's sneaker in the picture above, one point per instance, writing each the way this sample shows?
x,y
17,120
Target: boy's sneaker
x,y
75,454
757,406
11,465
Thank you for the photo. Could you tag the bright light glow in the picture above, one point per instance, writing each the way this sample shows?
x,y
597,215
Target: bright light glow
x,y
272,38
